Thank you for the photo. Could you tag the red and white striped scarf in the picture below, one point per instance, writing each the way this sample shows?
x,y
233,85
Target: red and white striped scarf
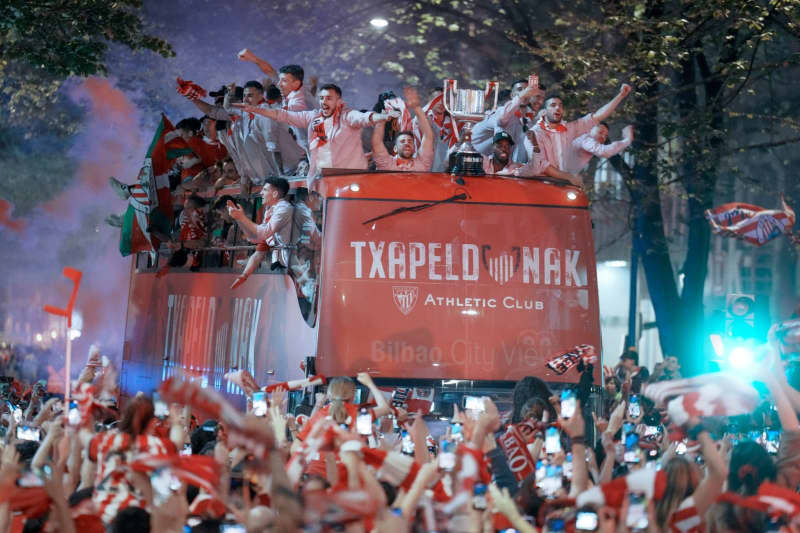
x,y
320,137
751,223
715,394
446,124
242,431
198,470
686,519
551,128
190,90
645,480
772,499
397,109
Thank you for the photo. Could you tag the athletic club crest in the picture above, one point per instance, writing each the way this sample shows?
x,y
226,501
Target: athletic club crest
x,y
502,266
405,297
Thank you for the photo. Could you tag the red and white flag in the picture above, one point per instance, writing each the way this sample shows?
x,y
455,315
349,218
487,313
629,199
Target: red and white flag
x,y
198,470
395,468
515,447
715,394
297,384
645,480
411,399
771,498
751,223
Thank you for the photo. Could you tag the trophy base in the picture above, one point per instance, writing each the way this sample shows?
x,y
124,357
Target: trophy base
x,y
466,164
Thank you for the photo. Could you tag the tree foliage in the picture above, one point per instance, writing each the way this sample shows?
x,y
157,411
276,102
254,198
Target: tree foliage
x,y
71,37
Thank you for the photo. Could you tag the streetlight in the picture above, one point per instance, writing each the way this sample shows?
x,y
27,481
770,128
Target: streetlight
x,y
379,22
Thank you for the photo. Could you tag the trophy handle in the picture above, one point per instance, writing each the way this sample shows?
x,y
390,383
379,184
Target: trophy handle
x,y
448,99
489,86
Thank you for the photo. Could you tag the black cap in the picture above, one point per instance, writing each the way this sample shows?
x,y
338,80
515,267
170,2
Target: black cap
x,y
500,135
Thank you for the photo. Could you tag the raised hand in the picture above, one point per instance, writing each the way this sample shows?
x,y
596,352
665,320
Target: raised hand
x,y
627,132
235,211
411,96
246,55
625,90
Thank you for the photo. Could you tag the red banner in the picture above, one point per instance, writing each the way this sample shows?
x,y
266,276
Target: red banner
x,y
193,323
462,290
519,459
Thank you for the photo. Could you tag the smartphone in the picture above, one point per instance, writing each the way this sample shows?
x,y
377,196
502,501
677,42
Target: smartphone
x,y
407,443
649,431
533,81
28,479
552,441
637,511
74,415
29,433
364,422
680,449
628,428
479,497
634,409
568,466
187,449
232,528
455,431
164,483
260,403
474,403
447,455
541,471
160,407
586,520
772,442
552,481
568,403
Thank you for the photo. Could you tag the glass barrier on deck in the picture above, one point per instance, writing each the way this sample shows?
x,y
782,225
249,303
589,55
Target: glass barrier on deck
x,y
207,239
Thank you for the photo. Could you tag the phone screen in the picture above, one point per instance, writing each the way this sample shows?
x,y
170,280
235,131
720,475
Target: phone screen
x,y
567,403
187,449
260,403
364,423
447,455
164,483
474,403
455,431
586,520
634,410
637,511
407,443
29,433
552,441
73,416
233,528
28,479
680,449
552,480
773,441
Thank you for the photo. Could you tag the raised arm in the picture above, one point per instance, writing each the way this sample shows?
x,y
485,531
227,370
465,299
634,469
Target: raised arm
x,y
378,149
411,97
716,471
381,405
605,150
605,111
249,227
507,113
266,68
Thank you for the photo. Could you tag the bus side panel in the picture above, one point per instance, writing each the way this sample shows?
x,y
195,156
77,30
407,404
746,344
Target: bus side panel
x,y
194,324
460,291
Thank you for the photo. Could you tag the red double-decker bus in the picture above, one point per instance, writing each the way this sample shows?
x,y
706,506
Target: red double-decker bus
x,y
420,278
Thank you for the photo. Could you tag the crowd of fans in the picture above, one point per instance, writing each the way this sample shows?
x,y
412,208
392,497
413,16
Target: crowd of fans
x,y
656,453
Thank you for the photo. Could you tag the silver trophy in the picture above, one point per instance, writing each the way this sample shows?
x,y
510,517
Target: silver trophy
x,y
468,107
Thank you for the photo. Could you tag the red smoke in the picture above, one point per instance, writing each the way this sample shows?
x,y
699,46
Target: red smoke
x,y
5,217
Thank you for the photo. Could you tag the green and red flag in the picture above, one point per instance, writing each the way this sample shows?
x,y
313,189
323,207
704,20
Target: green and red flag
x,y
150,204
